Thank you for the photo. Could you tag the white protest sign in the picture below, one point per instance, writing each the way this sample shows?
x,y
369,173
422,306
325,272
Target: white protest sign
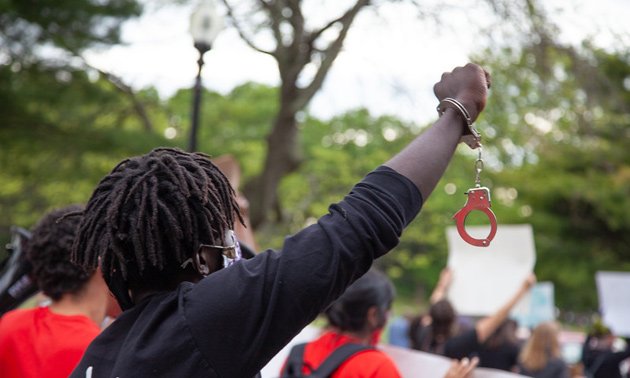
x,y
486,278
412,363
537,306
613,289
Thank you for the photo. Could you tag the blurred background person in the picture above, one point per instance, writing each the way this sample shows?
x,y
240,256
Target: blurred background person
x,y
599,356
429,332
492,338
356,319
501,349
541,355
49,341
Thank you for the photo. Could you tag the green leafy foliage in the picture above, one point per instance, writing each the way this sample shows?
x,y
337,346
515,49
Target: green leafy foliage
x,y
562,145
555,135
61,126
26,25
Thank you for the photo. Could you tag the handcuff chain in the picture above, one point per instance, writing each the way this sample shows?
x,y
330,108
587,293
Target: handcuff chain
x,y
478,169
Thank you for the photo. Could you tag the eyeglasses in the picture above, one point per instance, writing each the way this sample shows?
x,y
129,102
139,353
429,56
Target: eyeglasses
x,y
231,251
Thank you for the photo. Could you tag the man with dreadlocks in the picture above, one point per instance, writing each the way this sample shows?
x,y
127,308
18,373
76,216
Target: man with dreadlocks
x,y
160,227
49,341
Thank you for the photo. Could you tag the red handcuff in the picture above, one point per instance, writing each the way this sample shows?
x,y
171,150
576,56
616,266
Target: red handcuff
x,y
479,196
478,199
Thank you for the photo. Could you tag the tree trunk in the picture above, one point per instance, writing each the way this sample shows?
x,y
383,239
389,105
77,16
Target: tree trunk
x,y
295,48
284,156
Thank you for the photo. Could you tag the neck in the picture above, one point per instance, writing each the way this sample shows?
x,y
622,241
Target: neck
x,y
138,294
91,301
360,337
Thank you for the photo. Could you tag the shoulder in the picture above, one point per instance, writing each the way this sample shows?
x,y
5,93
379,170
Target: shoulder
x,y
369,363
557,361
461,345
558,367
16,317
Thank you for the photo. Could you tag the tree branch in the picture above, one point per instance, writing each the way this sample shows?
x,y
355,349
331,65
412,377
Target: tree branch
x,y
350,13
297,21
330,54
300,49
119,84
241,31
275,16
127,90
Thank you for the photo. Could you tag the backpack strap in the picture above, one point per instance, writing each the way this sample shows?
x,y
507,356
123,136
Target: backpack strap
x,y
295,361
336,358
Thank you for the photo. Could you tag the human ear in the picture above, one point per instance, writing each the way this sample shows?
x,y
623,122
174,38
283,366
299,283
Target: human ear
x,y
373,317
200,265
207,261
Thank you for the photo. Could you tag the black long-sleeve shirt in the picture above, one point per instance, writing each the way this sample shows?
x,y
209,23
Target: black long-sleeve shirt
x,y
234,321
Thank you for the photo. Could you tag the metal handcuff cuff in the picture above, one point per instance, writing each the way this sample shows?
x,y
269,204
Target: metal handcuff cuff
x,y
479,196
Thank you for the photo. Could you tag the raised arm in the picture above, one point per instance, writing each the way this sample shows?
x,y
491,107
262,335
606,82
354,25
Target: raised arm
x,y
439,293
425,159
486,326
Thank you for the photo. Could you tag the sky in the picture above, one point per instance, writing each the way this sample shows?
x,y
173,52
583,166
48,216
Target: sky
x,y
389,63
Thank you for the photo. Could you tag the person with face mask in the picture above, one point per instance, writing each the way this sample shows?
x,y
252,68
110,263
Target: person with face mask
x,y
160,227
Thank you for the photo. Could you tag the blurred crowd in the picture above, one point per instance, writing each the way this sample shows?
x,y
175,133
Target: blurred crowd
x,y
499,342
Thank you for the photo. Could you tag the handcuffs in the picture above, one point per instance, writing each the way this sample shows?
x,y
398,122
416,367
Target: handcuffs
x,y
479,196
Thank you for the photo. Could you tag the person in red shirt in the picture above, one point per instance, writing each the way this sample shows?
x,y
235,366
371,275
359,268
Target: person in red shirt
x,y
358,317
49,341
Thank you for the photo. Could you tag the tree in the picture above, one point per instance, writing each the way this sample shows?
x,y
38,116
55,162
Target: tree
x,y
40,43
60,121
305,51
563,115
297,46
543,90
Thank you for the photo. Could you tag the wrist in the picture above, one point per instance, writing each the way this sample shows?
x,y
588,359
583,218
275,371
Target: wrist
x,y
470,106
455,116
459,108
469,134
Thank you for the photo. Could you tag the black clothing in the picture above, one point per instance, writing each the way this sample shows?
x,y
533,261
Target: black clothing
x,y
603,363
555,368
503,357
422,338
463,345
234,321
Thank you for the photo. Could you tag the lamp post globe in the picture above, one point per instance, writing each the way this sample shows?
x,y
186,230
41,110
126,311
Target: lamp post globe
x,y
205,25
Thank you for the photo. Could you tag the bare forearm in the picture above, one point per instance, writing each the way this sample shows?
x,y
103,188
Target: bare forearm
x,y
425,159
442,286
438,294
486,326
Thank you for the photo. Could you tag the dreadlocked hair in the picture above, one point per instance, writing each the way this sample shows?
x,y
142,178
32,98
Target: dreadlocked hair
x,y
151,213
49,251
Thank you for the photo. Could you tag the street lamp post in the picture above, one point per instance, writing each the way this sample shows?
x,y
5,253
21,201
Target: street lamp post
x,y
205,24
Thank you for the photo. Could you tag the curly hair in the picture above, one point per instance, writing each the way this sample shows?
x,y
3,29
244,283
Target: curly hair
x,y
49,253
149,215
